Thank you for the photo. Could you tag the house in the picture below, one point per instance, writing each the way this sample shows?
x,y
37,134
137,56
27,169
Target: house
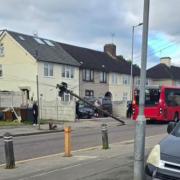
x,y
103,73
29,63
23,58
164,73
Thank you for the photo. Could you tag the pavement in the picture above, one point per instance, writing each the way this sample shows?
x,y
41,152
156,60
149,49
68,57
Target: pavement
x,y
87,164
44,128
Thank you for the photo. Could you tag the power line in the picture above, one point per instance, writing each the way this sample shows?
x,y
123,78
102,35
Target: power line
x,y
160,50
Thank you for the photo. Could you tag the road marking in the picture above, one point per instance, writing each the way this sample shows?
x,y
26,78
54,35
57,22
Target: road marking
x,y
81,158
79,150
44,173
69,167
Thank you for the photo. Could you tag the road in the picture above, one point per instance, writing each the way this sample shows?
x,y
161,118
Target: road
x,y
40,145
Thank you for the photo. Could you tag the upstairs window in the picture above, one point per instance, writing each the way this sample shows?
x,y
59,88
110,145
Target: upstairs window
x,y
137,82
48,70
88,75
1,71
126,80
114,78
68,71
1,50
103,77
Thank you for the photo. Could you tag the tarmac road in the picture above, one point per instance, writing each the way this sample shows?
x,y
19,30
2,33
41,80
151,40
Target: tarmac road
x,y
40,145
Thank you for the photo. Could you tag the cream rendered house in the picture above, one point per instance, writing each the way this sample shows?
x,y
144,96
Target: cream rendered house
x,y
102,73
23,58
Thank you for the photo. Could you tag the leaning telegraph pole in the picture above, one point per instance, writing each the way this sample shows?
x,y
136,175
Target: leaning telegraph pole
x,y
139,144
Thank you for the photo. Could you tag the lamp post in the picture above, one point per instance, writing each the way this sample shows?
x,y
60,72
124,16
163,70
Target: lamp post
x,y
132,52
139,141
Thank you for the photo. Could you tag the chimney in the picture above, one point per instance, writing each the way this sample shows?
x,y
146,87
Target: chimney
x,y
166,61
110,49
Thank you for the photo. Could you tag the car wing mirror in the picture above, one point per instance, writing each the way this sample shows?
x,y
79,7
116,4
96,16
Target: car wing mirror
x,y
170,127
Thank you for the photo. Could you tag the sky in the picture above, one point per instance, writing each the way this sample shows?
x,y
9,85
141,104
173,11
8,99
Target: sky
x,y
94,23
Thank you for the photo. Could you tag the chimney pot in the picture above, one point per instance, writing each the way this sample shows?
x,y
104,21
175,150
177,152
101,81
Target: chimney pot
x,y
110,49
166,61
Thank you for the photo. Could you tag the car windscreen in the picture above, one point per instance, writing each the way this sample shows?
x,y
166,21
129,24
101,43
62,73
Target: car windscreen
x,y
176,131
151,97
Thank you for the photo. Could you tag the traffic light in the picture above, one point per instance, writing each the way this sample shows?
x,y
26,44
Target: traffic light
x,y
62,88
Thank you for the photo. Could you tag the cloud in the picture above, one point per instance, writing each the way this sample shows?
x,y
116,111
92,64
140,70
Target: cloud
x,y
91,23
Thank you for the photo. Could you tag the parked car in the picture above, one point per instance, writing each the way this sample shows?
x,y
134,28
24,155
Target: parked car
x,y
164,160
106,105
84,110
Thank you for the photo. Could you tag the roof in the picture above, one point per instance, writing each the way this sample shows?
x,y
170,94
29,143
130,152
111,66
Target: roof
x,y
98,60
162,71
73,55
44,52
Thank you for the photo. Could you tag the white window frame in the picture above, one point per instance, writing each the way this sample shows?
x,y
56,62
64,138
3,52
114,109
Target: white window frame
x,y
1,50
49,68
114,78
126,80
67,97
137,82
1,71
68,72
125,95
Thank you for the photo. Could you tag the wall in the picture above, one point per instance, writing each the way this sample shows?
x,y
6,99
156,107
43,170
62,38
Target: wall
x,y
99,88
118,89
119,108
47,85
166,82
57,110
19,67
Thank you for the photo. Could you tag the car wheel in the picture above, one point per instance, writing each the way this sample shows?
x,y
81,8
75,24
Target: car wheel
x,y
176,117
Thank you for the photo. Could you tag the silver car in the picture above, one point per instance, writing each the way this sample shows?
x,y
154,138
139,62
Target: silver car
x,y
164,160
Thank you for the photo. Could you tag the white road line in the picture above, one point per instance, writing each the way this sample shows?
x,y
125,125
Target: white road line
x,y
69,167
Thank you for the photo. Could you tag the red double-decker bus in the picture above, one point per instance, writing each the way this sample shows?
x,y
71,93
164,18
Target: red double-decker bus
x,y
162,103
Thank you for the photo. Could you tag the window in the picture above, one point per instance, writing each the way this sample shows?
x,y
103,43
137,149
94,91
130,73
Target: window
x,y
172,97
126,80
22,38
114,78
48,42
67,97
103,77
68,71
38,40
1,50
48,69
1,71
89,93
88,75
137,82
177,83
148,82
125,94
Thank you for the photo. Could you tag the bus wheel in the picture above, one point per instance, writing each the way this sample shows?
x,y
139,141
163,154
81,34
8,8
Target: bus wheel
x,y
176,117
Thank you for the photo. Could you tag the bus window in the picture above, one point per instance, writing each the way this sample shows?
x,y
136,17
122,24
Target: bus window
x,y
172,97
151,97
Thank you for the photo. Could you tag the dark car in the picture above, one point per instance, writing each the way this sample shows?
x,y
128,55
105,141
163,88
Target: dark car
x,y
106,105
164,160
84,110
